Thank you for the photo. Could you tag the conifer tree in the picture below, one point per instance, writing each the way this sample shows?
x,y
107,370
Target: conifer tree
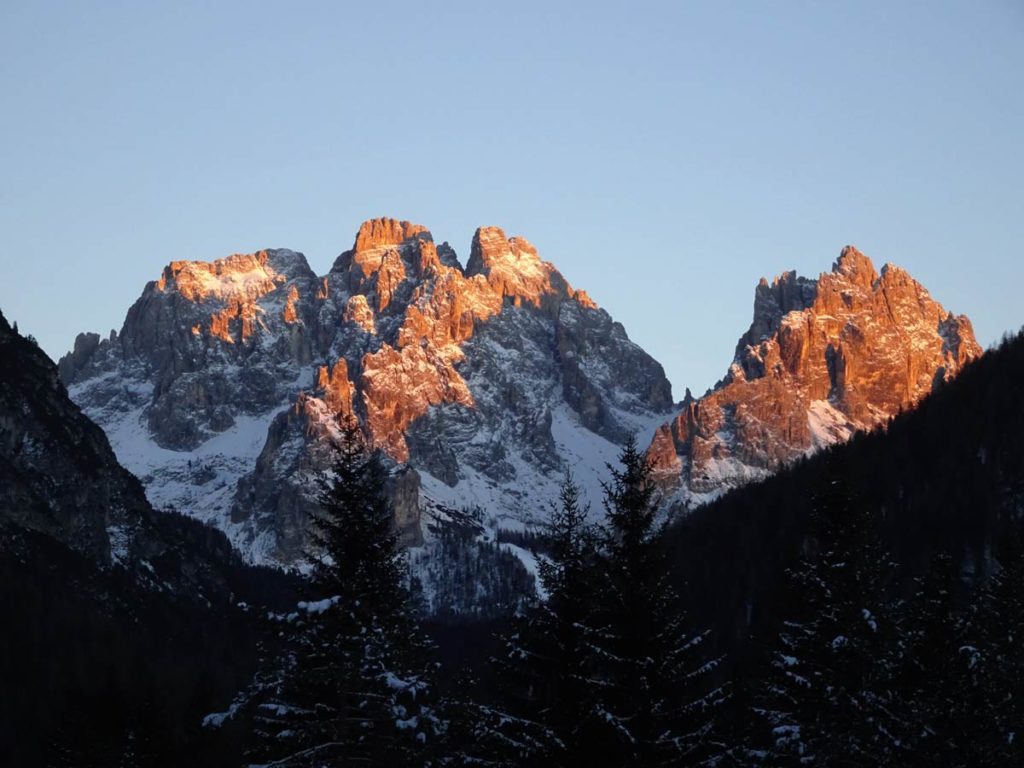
x,y
963,665
1000,675
565,624
656,700
548,700
937,664
829,694
353,684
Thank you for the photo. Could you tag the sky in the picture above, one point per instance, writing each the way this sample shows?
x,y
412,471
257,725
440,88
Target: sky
x,y
663,155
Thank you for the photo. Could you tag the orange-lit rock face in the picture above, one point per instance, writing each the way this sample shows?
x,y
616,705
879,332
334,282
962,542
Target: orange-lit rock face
x,y
404,378
238,277
400,385
290,312
396,280
229,291
386,269
336,388
378,233
821,359
511,266
584,299
236,321
358,312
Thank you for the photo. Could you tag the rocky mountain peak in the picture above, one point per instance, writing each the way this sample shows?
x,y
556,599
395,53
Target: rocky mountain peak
x,y
514,270
490,247
772,301
387,253
822,359
236,277
383,232
855,267
228,374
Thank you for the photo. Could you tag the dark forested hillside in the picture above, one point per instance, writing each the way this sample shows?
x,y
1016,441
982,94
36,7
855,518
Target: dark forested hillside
x,y
868,598
120,626
91,664
945,477
97,669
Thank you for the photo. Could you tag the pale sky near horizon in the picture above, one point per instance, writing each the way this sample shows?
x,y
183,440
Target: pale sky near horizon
x,y
663,155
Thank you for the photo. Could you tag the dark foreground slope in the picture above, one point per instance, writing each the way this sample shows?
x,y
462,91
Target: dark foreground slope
x,y
945,477
119,625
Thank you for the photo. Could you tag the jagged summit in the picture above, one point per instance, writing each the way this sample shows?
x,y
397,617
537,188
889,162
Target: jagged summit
x,y
239,276
855,266
382,232
821,359
482,384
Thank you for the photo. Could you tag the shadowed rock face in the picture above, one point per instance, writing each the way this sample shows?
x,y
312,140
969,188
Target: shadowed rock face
x,y
478,383
59,477
822,358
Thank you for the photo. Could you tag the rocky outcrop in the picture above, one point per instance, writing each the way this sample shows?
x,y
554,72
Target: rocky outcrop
x,y
822,359
383,232
481,385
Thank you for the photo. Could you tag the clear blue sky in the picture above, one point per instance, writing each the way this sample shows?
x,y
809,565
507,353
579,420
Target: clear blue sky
x,y
664,156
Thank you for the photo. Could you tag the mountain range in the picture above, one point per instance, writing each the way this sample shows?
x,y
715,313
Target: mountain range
x,y
482,383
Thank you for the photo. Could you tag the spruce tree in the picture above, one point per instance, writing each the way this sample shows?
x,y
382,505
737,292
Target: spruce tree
x,y
656,700
352,681
546,668
829,694
963,665
565,624
1001,669
936,676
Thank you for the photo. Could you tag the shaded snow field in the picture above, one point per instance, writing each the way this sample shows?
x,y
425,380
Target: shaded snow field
x,y
201,482
525,501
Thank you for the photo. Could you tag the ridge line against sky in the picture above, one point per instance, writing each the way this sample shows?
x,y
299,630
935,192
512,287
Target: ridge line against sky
x,y
663,156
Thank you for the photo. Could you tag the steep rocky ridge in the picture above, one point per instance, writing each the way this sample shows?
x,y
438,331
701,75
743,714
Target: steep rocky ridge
x,y
822,359
48,448
59,477
482,384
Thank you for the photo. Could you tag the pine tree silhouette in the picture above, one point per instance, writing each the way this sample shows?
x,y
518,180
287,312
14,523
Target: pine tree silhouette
x,y
657,702
355,682
546,667
829,689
